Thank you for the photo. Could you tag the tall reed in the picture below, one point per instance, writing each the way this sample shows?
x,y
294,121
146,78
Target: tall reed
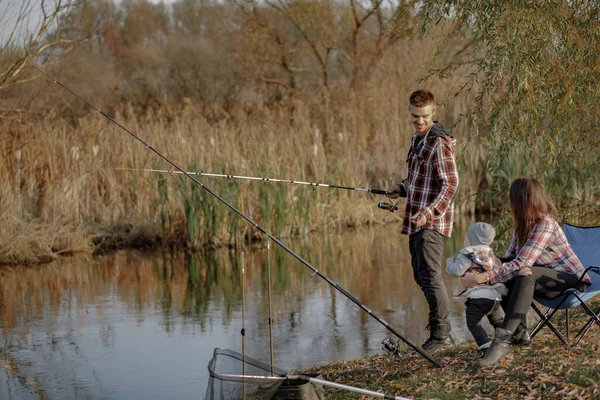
x,y
60,184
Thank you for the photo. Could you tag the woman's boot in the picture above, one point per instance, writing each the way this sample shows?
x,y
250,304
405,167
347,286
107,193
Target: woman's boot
x,y
499,349
521,336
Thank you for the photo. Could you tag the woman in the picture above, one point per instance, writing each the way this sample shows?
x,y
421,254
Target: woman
x,y
542,264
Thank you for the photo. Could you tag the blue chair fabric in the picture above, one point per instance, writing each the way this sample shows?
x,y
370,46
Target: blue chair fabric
x,y
585,242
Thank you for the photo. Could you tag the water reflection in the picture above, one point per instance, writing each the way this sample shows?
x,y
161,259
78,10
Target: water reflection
x,y
133,326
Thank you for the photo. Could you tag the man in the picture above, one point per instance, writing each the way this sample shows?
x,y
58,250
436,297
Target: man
x,y
430,188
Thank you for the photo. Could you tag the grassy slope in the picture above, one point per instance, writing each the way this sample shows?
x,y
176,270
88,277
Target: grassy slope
x,y
545,370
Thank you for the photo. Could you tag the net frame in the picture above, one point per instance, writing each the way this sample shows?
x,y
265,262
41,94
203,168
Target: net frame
x,y
237,376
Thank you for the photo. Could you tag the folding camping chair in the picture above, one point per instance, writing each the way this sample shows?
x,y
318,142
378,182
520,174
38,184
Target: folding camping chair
x,y
586,244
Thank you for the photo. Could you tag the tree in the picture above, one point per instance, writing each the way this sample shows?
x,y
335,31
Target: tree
x,y
310,43
24,44
534,68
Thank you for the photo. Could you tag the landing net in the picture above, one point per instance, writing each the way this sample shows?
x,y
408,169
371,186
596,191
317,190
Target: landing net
x,y
235,376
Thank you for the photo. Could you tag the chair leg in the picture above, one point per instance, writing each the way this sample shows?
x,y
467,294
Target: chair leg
x,y
545,320
594,317
543,317
567,321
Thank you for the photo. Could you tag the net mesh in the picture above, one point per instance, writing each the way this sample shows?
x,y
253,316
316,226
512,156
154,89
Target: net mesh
x,y
235,376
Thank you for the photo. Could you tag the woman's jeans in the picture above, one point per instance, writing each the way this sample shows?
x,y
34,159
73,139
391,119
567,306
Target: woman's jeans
x,y
543,282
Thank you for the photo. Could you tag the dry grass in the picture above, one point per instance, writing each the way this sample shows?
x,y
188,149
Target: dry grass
x,y
546,370
62,192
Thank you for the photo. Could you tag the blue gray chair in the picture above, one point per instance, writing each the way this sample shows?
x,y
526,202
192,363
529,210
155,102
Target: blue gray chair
x,y
585,242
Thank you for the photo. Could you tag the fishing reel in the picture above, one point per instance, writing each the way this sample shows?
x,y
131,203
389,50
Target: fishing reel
x,y
387,206
391,346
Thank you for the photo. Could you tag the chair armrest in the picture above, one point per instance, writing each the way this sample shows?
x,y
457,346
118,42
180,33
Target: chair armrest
x,y
590,268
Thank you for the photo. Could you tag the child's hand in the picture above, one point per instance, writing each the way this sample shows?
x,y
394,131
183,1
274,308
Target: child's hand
x,y
471,279
525,271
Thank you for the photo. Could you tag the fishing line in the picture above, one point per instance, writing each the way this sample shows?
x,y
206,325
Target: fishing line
x,y
256,226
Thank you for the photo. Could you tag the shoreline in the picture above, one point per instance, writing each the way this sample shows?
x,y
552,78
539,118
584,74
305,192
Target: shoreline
x,y
147,238
546,369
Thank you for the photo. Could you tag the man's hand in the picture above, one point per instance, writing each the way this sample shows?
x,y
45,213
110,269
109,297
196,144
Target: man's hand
x,y
398,190
419,219
394,192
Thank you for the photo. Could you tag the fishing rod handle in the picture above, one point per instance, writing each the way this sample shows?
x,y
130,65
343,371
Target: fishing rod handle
x,y
379,191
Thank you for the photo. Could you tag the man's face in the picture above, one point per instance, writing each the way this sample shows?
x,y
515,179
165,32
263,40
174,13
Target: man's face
x,y
422,117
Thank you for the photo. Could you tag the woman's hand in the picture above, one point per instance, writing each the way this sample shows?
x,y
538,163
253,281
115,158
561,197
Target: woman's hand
x,y
471,279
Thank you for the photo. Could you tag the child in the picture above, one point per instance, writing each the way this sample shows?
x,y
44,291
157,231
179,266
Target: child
x,y
482,300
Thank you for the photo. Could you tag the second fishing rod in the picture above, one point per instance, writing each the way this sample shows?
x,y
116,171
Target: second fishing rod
x,y
394,331
382,204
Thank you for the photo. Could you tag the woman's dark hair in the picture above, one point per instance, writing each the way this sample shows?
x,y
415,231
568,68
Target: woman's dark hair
x,y
529,204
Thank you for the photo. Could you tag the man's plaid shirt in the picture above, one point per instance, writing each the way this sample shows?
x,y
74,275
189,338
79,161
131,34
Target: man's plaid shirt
x,y
432,181
547,246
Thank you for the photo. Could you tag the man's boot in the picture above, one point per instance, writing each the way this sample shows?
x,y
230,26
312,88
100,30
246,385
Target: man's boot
x,y
441,337
433,343
499,349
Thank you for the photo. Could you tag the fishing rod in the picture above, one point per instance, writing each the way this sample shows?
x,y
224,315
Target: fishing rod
x,y
391,207
255,178
383,205
224,362
394,331
317,381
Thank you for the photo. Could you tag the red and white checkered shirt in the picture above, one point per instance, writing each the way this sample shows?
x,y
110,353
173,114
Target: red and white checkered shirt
x,y
482,256
547,246
432,181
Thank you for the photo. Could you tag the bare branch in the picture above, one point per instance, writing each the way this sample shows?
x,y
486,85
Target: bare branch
x,y
322,59
23,47
358,24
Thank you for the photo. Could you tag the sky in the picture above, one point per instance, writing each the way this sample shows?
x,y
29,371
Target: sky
x,y
32,10
22,18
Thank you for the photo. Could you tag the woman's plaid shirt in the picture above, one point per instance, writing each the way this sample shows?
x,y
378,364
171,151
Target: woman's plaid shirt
x,y
547,246
432,181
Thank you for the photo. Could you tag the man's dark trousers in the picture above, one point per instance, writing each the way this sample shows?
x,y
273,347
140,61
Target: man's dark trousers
x,y
426,248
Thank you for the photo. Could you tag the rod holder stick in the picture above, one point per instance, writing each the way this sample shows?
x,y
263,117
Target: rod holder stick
x,y
243,326
269,297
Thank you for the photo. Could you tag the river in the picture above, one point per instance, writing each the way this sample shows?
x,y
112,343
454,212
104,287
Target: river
x,y
144,325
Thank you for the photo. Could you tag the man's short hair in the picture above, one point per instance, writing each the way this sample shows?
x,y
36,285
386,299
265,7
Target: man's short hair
x,y
422,98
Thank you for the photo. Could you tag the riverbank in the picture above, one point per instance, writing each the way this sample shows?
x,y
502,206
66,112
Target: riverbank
x,y
37,243
545,370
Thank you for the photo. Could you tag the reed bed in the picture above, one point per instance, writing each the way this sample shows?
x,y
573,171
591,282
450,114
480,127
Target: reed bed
x,y
61,192
56,174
